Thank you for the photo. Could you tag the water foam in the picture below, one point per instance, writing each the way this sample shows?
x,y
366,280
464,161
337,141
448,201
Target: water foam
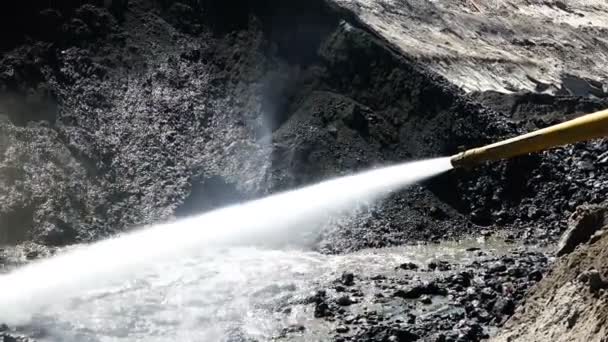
x,y
274,218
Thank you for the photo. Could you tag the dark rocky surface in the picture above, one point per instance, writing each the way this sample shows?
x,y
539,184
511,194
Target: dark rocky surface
x,y
115,115
463,301
143,109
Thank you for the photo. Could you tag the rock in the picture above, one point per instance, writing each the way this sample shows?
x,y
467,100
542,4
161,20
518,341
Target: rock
x,y
439,265
462,278
487,293
410,292
585,221
32,255
341,329
470,331
322,310
497,267
432,288
481,217
404,335
408,266
602,159
348,279
344,301
594,279
294,329
504,306
586,165
439,337
426,300
332,130
507,288
410,318
535,275
437,213
516,272
482,315
415,291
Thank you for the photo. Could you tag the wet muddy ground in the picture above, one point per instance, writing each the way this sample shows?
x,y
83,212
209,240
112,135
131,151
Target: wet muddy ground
x,y
450,291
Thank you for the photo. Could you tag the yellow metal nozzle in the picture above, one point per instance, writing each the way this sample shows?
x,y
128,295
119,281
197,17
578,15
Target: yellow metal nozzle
x,y
590,126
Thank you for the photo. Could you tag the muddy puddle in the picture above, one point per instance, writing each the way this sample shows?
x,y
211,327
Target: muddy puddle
x,y
237,294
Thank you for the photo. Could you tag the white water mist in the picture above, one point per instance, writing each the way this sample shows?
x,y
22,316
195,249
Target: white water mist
x,y
274,218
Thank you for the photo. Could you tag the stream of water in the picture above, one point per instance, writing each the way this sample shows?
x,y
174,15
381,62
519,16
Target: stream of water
x,y
194,279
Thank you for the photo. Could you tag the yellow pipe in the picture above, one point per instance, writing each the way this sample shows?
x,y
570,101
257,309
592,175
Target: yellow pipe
x,y
590,126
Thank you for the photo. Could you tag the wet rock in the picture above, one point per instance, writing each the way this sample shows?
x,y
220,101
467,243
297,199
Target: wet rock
x,y
410,318
483,316
602,159
322,310
498,267
341,329
439,265
417,290
487,293
462,278
32,255
293,329
481,217
507,288
410,292
403,334
434,288
425,299
408,266
437,213
586,165
348,279
439,337
345,301
504,306
516,272
535,275
470,331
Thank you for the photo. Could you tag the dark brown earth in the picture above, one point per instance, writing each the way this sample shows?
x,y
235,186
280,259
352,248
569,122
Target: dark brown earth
x,y
118,115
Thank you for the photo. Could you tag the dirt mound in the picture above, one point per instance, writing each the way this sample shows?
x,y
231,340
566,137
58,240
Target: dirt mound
x,y
571,303
275,98
148,101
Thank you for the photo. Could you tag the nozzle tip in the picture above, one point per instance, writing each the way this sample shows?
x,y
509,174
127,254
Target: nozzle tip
x,y
457,160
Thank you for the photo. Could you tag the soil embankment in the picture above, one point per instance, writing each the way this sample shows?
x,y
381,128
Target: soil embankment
x,y
570,304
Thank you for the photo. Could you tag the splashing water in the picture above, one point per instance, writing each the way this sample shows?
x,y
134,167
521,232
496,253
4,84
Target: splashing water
x,y
274,219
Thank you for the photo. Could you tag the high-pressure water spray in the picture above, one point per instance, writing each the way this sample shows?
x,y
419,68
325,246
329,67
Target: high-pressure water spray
x,y
587,127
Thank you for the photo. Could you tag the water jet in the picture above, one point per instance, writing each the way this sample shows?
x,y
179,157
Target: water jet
x,y
277,220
